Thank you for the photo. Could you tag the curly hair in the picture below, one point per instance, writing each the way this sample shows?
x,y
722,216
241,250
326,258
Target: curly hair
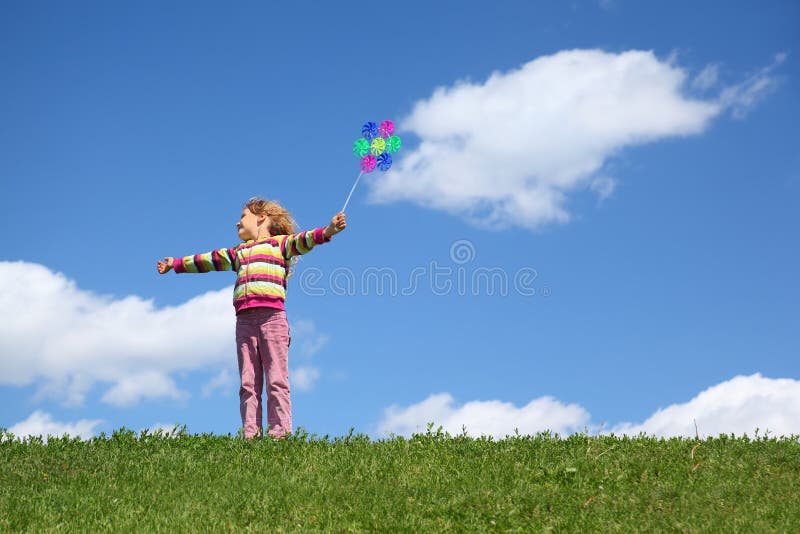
x,y
281,221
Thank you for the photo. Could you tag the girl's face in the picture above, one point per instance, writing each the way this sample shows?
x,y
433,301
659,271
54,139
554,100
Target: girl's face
x,y
251,225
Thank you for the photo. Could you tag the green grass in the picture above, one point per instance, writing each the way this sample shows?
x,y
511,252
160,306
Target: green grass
x,y
432,482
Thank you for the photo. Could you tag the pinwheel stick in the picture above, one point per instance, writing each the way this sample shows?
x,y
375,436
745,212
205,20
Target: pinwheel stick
x,y
351,190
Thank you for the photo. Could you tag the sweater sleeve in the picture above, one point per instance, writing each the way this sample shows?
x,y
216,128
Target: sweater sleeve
x,y
223,259
301,243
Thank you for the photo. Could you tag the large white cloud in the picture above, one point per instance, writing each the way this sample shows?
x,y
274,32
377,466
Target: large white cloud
x,y
738,406
66,339
510,151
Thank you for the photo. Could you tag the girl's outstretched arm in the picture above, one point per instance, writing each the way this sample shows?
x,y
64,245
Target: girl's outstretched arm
x,y
223,259
300,243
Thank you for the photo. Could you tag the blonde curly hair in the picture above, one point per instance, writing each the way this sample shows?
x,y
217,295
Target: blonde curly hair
x,y
281,221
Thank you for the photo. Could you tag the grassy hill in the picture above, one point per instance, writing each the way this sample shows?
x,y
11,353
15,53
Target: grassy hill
x,y
432,482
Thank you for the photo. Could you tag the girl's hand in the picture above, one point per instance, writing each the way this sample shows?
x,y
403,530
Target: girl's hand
x,y
338,223
165,266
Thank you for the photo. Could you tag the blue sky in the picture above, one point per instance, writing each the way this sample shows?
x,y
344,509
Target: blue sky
x,y
642,159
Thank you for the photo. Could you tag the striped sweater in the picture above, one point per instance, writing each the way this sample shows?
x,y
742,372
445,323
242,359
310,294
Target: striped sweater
x,y
260,266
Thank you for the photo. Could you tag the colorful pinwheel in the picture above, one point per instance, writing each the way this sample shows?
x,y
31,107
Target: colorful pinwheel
x,y
373,149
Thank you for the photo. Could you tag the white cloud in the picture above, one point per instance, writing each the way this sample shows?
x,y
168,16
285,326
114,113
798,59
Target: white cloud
x,y
129,390
67,339
224,381
40,423
603,186
510,151
306,340
707,78
303,378
742,97
739,406
492,418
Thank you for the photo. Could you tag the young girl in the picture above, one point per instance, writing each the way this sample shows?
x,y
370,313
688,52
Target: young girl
x,y
263,265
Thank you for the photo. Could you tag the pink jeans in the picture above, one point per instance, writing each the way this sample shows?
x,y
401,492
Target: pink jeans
x,y
262,342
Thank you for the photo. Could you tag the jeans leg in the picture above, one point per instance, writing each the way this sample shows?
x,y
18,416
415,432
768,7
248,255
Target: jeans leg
x,y
274,345
251,373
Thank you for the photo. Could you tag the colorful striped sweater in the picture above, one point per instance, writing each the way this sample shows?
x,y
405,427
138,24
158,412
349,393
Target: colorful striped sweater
x,y
260,266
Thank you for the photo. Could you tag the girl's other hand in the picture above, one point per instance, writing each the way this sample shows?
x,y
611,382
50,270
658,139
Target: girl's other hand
x,y
338,223
165,266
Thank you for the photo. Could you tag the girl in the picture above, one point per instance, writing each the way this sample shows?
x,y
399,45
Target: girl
x,y
263,265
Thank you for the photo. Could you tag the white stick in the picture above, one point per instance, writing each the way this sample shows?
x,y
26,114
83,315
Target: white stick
x,y
351,190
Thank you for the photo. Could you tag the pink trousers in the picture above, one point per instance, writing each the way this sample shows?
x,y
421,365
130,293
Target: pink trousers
x,y
262,342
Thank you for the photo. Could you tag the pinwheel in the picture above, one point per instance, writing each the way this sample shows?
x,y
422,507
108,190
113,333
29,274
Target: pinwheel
x,y
374,149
